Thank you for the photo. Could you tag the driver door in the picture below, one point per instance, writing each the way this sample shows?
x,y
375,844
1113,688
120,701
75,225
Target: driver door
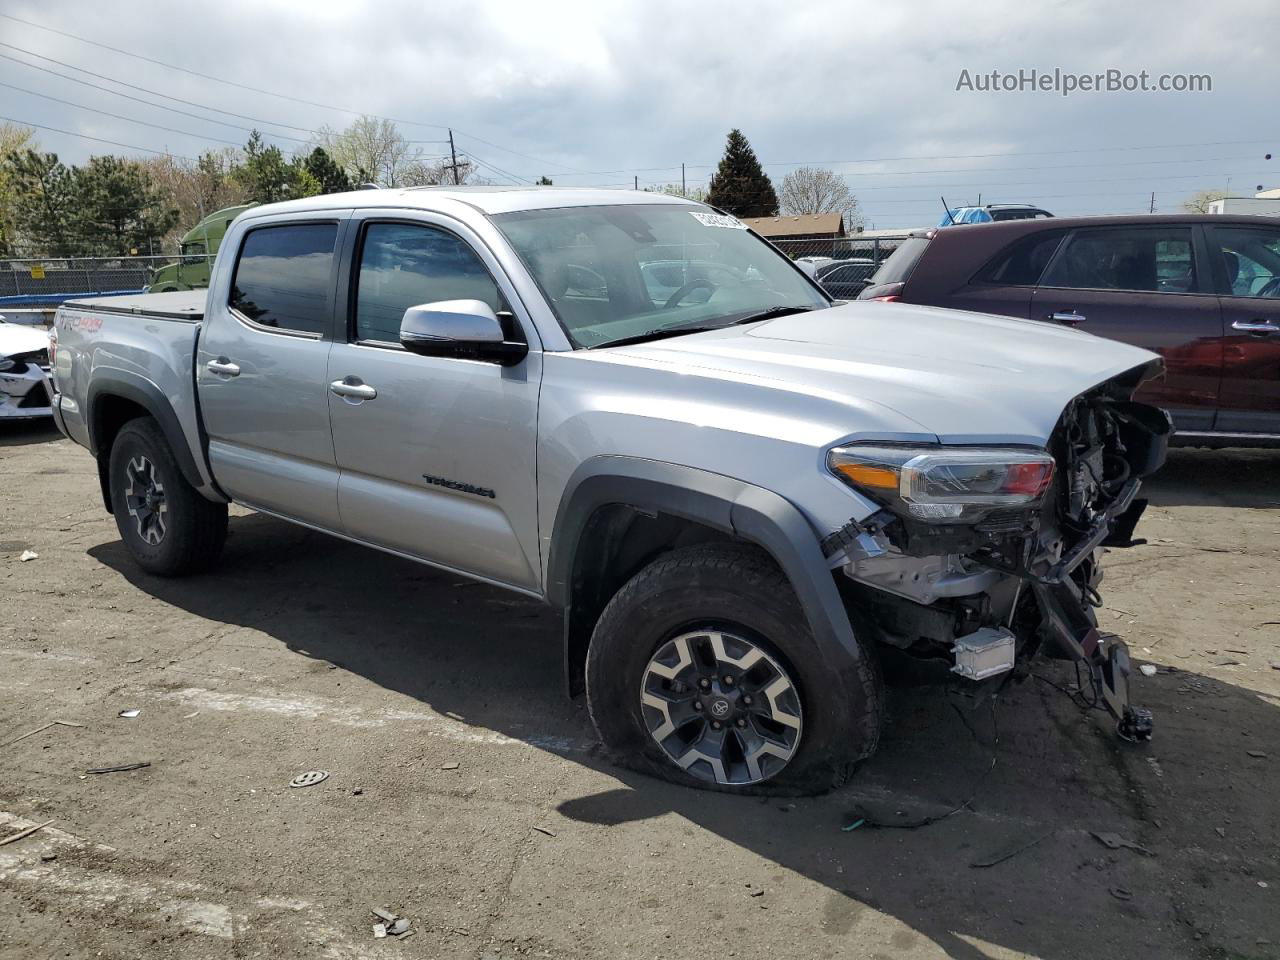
x,y
436,460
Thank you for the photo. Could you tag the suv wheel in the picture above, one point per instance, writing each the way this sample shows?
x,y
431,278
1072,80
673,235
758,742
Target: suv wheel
x,y
168,527
702,670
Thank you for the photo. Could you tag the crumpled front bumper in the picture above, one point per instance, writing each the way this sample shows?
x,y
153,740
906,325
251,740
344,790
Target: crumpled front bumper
x,y
26,395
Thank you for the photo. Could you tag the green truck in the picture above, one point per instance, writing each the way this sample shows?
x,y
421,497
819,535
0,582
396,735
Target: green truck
x,y
199,245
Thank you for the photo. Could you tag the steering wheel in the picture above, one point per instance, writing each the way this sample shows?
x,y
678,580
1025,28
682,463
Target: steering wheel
x,y
687,289
1272,289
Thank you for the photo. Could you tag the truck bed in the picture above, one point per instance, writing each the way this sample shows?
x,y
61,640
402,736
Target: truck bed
x,y
177,305
141,348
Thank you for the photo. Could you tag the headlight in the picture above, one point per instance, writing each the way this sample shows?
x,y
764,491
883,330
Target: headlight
x,y
944,484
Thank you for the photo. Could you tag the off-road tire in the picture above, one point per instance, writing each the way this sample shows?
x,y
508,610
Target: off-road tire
x,y
739,589
195,528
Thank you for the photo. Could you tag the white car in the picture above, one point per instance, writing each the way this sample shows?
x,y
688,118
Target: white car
x,y
24,372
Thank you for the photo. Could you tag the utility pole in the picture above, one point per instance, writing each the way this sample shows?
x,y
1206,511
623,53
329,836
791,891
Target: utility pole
x,y
454,154
637,183
1153,202
684,191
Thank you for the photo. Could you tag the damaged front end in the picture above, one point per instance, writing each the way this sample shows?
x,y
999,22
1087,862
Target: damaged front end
x,y
984,557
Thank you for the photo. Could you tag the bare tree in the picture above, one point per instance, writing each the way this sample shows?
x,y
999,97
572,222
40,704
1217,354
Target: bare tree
x,y
1199,203
196,188
374,149
814,190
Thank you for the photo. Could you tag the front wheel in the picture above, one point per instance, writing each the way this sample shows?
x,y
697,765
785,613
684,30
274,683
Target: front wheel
x,y
702,670
168,527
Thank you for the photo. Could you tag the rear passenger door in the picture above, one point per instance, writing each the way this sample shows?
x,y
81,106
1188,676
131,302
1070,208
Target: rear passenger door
x,y
261,371
1147,286
438,461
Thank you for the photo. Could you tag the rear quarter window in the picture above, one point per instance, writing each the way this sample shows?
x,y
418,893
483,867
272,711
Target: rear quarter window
x,y
902,261
284,276
1023,262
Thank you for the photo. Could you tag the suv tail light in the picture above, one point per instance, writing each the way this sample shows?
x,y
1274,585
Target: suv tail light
x,y
890,298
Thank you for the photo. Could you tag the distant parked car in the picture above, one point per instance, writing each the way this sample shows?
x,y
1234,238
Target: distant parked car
x,y
1203,291
844,279
811,265
24,370
992,213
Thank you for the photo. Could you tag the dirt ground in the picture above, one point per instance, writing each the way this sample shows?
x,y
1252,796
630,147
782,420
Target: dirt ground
x,y
466,793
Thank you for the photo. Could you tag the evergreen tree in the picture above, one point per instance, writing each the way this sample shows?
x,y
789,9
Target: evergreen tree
x,y
739,185
267,177
331,177
43,199
117,208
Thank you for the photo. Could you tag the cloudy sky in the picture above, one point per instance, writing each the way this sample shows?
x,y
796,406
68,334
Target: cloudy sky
x,y
603,92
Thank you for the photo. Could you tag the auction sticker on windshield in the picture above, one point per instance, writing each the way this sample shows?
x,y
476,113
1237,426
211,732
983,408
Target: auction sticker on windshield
x,y
717,220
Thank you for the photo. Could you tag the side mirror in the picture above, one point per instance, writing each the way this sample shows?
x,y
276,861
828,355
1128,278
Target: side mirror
x,y
465,329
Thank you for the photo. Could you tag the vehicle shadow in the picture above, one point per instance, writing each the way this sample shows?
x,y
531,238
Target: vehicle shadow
x,y
492,660
1236,477
21,433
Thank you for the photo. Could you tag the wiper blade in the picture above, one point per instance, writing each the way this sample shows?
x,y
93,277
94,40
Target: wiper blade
x,y
661,333
770,313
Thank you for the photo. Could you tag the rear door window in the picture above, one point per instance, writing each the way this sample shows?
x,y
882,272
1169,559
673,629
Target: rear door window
x,y
284,277
1141,259
1250,258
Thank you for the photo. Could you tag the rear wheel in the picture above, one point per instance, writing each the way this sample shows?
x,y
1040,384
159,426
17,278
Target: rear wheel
x,y
168,527
703,670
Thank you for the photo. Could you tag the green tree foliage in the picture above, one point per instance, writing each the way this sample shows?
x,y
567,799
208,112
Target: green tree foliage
x,y
108,207
739,185
268,177
544,182
117,208
330,177
43,204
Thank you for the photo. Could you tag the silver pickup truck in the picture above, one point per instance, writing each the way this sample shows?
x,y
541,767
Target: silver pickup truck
x,y
746,499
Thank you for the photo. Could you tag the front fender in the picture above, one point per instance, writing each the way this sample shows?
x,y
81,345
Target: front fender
x,y
740,509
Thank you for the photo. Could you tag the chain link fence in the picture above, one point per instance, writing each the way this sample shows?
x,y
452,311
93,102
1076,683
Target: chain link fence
x,y
47,280
875,249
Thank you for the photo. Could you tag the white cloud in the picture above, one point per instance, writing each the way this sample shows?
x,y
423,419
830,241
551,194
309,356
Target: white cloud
x,y
611,86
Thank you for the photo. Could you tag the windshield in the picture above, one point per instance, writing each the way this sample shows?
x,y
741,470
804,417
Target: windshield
x,y
616,273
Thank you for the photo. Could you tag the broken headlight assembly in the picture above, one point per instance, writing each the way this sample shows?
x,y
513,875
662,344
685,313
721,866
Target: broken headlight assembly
x,y
942,485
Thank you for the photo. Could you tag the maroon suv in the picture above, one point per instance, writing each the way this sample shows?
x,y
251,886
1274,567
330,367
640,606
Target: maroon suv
x,y
1202,291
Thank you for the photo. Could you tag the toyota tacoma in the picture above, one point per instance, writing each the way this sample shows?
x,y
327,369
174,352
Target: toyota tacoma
x,y
743,498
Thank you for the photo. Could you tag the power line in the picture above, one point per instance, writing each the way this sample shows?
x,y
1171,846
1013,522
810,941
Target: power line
x,y
81,106
85,136
154,93
498,170
158,106
273,93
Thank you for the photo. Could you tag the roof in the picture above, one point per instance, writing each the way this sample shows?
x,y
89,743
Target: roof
x,y
796,226
1015,227
486,199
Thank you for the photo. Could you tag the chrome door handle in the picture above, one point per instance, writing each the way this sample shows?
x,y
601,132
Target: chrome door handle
x,y
1255,326
1067,316
353,391
224,367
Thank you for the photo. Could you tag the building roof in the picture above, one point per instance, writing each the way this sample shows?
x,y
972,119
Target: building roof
x,y
798,226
